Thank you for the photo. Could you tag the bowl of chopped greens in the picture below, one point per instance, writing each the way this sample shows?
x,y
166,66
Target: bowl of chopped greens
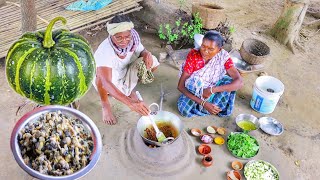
x,y
242,145
259,169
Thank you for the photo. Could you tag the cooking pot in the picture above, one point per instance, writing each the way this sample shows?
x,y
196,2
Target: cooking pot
x,y
159,116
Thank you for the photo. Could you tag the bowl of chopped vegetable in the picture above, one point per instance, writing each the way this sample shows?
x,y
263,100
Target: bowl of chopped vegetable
x,y
242,145
259,169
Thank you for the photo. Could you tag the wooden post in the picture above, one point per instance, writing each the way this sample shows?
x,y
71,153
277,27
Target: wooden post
x,y
287,28
2,2
29,15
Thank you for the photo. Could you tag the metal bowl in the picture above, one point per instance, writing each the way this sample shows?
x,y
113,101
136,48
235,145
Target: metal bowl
x,y
239,156
247,117
271,126
246,170
159,116
35,115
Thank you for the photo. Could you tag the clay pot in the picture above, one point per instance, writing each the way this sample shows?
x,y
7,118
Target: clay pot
x,y
206,138
211,130
210,13
207,160
204,149
219,140
221,131
236,165
196,132
235,174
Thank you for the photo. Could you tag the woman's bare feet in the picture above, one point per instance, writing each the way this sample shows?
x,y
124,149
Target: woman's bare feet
x,y
108,117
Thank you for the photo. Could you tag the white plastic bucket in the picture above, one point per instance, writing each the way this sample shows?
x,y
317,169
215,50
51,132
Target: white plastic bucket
x,y
266,93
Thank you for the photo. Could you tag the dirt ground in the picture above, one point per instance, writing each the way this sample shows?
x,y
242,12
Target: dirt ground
x,y
295,153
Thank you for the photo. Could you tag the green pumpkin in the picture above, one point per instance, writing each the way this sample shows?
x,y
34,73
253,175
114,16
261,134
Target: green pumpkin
x,y
50,67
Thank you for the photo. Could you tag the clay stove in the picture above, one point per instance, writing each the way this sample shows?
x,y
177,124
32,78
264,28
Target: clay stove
x,y
168,160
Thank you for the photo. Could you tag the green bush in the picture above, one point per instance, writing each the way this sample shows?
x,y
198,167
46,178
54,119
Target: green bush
x,y
181,33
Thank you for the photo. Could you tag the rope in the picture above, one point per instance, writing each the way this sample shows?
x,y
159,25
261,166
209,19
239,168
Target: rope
x,y
145,75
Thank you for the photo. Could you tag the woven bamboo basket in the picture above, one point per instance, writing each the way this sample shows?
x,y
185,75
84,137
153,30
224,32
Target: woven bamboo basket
x,y
210,13
254,51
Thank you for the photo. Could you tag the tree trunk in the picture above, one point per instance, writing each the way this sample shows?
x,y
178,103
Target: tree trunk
x,y
2,2
29,15
287,28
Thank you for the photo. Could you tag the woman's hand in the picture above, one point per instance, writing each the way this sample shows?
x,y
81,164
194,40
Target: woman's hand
x,y
211,108
139,107
147,58
206,93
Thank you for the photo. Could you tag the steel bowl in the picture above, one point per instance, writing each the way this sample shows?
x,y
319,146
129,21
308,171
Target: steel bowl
x,y
247,117
35,115
271,126
239,156
246,170
159,116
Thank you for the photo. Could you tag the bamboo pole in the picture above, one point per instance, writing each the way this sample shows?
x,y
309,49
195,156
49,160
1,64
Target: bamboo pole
x,y
29,15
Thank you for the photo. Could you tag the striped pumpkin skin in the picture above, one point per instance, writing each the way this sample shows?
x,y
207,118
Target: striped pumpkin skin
x,y
57,75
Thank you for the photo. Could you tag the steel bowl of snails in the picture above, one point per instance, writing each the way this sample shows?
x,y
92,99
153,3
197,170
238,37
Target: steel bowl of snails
x,y
56,142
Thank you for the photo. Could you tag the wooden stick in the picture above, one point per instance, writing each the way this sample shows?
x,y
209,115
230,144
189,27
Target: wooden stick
x,y
313,22
29,15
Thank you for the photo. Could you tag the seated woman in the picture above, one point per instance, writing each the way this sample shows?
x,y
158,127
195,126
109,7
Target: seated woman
x,y
121,62
205,87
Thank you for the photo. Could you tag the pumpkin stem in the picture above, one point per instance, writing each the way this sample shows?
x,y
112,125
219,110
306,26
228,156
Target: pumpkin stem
x,y
48,42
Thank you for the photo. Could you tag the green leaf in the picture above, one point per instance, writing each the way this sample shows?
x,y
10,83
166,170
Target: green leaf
x,y
178,22
168,27
162,36
232,29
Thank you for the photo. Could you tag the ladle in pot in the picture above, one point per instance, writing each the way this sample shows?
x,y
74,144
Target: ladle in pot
x,y
160,136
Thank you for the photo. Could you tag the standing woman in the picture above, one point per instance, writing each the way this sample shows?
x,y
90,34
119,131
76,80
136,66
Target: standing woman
x,y
204,82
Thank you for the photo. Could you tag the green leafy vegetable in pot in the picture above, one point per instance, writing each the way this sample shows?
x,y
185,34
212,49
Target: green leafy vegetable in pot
x,y
242,145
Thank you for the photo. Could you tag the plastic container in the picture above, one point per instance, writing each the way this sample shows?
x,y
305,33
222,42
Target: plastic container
x,y
266,93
